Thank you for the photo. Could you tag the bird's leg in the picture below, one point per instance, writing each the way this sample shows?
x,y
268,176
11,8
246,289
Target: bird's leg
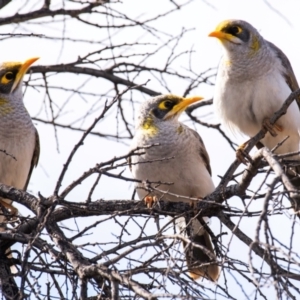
x,y
241,155
193,203
271,128
149,200
13,210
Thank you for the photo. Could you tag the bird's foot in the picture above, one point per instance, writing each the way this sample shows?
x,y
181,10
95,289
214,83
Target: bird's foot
x,y
271,128
193,203
150,200
241,155
12,209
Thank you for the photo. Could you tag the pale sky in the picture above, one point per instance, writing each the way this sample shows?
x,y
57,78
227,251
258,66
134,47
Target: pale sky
x,y
280,26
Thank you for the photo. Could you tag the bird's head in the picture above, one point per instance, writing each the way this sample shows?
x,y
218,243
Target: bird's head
x,y
11,76
238,37
161,109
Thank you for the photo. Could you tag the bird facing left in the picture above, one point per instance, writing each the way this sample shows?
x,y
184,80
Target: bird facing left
x,y
180,158
254,79
19,140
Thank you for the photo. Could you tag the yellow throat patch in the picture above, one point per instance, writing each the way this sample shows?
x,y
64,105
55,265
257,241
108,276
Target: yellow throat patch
x,y
180,129
149,127
5,107
255,46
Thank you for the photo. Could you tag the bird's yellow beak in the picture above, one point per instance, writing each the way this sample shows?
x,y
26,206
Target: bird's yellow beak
x,y
181,106
24,67
222,35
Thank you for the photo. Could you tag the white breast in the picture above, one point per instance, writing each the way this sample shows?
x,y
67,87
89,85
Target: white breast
x,y
15,165
186,170
244,106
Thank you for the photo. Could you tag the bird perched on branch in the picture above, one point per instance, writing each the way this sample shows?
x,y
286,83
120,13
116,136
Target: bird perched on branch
x,y
179,158
254,79
19,140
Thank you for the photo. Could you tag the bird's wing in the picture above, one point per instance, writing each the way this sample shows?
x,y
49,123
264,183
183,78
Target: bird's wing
x,y
203,153
35,158
129,163
288,75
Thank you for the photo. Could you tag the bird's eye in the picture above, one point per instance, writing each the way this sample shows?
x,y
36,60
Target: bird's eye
x,y
166,105
234,30
7,77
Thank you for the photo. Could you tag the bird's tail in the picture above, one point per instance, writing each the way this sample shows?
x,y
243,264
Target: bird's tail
x,y
196,256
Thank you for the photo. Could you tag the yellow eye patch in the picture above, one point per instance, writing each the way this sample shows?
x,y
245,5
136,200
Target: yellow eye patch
x,y
7,77
233,30
238,29
167,104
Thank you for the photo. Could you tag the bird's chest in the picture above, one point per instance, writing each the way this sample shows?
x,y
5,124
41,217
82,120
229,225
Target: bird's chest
x,y
244,104
177,165
16,150
160,161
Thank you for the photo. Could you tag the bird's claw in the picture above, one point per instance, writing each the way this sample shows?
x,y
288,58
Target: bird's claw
x,y
193,203
150,200
271,128
241,155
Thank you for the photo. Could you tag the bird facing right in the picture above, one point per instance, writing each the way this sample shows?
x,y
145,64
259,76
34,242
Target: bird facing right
x,y
180,158
19,141
254,79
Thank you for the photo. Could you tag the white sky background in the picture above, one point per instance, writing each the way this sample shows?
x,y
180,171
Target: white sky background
x,y
199,15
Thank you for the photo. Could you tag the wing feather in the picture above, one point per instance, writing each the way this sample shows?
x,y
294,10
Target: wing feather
x,y
288,74
35,157
202,150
